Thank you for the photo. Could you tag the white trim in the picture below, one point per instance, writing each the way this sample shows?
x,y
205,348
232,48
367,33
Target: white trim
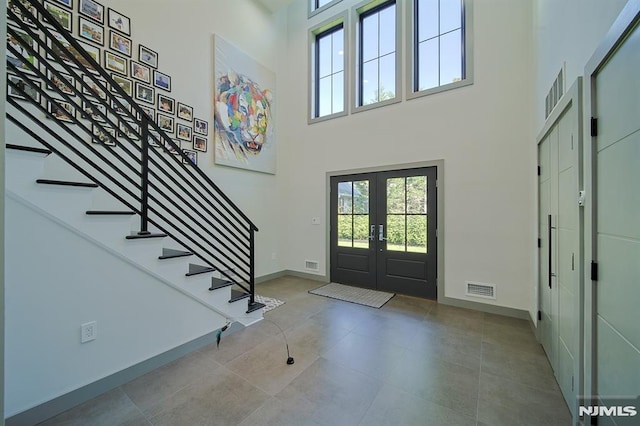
x,y
312,12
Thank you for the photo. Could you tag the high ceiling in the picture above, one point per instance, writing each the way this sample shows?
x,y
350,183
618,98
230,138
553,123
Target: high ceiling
x,y
275,5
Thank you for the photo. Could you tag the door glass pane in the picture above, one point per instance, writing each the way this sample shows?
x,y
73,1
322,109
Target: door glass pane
x,y
361,197
396,196
345,197
417,194
345,230
396,232
361,231
417,233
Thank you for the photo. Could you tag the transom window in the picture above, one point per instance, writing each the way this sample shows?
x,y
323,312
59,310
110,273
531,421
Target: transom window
x,y
317,6
329,72
439,46
377,37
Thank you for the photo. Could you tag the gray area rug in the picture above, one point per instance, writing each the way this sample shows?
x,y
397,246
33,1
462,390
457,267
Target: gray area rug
x,y
361,296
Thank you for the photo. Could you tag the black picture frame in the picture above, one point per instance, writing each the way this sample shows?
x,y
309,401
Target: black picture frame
x,y
200,126
124,130
90,30
89,108
119,22
148,56
26,58
171,149
184,132
103,135
124,110
19,13
94,89
92,9
140,72
166,122
161,80
115,63
166,104
120,43
151,113
200,143
184,112
65,87
145,94
66,3
32,92
125,83
192,155
56,112
63,16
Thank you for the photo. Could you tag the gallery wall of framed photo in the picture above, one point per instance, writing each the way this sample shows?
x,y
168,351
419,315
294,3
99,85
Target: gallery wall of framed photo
x,y
108,35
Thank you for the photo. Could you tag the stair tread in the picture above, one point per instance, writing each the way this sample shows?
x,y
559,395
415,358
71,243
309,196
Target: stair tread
x,y
198,269
110,212
217,283
140,237
66,183
28,148
237,295
173,253
255,306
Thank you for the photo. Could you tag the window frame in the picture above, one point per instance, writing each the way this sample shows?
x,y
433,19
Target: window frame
x,y
314,32
357,12
412,49
313,10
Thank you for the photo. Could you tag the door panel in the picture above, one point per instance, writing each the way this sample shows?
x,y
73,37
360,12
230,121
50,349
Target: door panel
x,y
383,231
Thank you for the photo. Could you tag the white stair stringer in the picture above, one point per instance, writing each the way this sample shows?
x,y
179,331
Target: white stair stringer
x,y
68,206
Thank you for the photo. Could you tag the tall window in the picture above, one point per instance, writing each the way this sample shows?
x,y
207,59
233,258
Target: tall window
x,y
377,38
439,44
329,75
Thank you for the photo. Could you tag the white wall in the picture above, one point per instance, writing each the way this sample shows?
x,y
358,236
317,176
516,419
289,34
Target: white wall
x,y
568,32
483,132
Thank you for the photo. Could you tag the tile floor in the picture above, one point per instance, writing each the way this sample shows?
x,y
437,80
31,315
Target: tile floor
x,y
412,362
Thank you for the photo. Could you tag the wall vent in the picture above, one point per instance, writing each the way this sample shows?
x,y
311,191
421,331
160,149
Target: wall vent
x,y
487,291
311,265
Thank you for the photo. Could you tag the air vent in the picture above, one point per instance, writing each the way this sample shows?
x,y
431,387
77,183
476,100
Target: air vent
x,y
487,291
311,265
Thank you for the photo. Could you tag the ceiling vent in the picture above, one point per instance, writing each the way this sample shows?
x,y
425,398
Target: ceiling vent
x,y
487,291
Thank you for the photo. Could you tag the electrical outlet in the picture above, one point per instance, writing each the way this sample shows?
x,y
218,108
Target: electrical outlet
x,y
88,331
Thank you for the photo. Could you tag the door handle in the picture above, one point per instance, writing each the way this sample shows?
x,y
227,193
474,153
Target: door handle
x,y
381,233
372,233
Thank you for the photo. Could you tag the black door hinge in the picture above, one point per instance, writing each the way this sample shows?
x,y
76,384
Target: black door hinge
x,y
539,242
594,126
539,171
539,315
594,270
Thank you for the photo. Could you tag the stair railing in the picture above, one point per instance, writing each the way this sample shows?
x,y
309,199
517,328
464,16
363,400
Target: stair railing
x,y
139,165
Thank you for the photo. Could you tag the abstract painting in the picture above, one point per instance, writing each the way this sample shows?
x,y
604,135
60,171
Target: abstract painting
x,y
244,107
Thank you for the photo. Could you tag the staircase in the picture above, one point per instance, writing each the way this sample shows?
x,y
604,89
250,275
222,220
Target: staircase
x,y
134,193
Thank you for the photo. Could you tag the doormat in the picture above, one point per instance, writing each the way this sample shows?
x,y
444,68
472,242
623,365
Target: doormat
x,y
361,296
268,302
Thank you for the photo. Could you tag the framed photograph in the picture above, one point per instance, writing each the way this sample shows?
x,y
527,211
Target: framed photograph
x,y
124,83
70,55
185,112
161,81
62,16
31,88
150,112
22,58
118,109
132,131
115,63
94,89
92,9
165,122
63,111
141,72
153,138
66,3
91,31
145,93
148,56
64,84
166,104
21,16
183,132
199,143
119,22
91,110
170,148
120,43
200,127
104,135
192,155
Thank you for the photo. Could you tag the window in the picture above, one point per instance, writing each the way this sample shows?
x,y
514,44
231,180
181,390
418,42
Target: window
x,y
317,6
328,70
440,49
378,54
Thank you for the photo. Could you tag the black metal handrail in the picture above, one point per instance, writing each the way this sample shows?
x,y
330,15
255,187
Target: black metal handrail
x,y
153,181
